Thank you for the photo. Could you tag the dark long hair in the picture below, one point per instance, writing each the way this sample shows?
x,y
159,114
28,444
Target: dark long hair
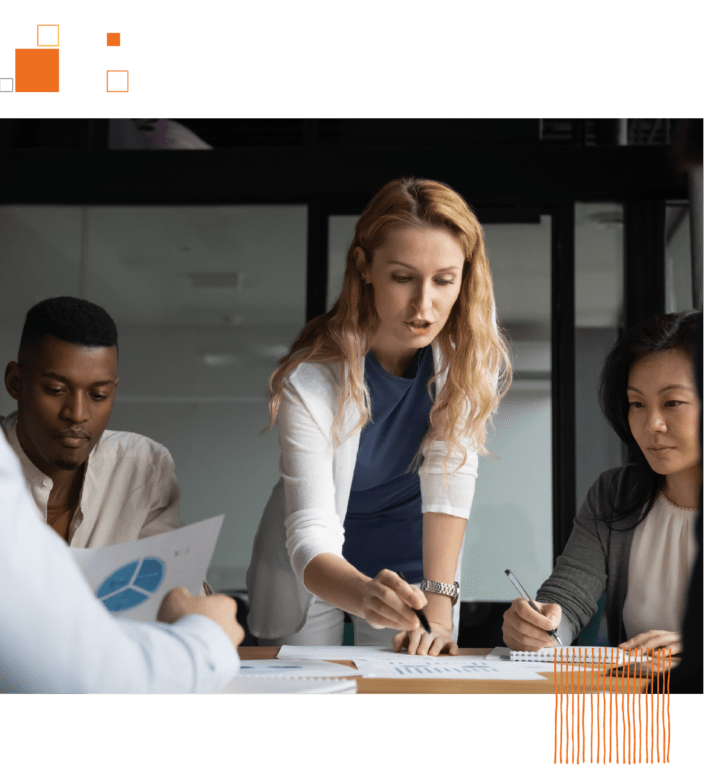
x,y
664,332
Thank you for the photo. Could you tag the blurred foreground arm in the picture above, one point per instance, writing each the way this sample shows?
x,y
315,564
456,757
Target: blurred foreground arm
x,y
55,637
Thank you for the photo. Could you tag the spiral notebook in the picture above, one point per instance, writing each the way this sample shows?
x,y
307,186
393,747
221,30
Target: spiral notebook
x,y
577,653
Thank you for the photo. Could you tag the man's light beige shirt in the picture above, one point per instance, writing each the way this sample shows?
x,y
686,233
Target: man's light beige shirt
x,y
129,489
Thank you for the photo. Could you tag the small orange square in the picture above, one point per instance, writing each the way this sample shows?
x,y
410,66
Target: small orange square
x,y
113,38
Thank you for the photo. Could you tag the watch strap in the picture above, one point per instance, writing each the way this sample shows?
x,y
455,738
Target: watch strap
x,y
438,587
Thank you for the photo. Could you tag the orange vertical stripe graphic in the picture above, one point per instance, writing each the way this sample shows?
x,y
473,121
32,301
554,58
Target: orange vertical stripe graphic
x,y
577,713
629,721
603,701
591,714
627,713
619,682
598,729
633,699
636,696
584,705
669,725
622,675
554,713
572,712
581,684
634,675
658,669
651,701
611,708
640,722
577,663
561,682
567,706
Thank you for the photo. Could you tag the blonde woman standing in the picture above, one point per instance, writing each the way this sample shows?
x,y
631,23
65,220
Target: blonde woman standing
x,y
382,406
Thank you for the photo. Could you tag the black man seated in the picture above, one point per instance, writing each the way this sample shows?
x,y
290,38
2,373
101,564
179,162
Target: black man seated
x,y
93,486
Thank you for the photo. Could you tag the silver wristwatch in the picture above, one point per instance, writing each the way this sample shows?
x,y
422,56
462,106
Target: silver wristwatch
x,y
451,590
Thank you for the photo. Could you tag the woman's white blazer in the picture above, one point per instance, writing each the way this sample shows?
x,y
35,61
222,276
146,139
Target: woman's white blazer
x,y
305,514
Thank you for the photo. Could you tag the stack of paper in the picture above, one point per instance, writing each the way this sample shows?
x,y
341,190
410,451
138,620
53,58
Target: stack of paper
x,y
292,676
253,684
298,668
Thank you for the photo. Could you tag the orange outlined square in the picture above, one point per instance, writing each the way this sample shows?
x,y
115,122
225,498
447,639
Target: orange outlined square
x,y
36,70
113,38
107,81
47,34
49,45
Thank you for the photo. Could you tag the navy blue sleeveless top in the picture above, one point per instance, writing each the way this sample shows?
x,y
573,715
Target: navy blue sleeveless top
x,y
384,526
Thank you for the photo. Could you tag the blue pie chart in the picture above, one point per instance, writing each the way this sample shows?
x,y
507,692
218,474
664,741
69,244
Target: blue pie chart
x,y
131,584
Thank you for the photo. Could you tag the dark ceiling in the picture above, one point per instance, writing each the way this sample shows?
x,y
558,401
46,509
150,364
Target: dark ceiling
x,y
358,133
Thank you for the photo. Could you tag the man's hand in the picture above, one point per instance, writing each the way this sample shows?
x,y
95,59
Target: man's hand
x,y
220,608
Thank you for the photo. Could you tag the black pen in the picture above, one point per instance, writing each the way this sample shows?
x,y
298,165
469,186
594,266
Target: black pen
x,y
418,611
526,597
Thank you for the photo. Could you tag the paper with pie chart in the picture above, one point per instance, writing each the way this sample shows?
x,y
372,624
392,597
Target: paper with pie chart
x,y
132,578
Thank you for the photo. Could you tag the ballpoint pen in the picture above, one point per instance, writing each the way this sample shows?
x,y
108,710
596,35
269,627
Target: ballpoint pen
x,y
418,611
526,597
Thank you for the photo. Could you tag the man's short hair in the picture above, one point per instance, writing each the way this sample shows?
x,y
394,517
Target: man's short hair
x,y
76,321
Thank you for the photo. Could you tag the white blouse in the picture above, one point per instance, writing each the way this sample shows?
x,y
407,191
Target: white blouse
x,y
305,514
659,569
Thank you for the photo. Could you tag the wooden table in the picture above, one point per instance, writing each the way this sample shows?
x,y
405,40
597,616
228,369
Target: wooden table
x,y
383,685
422,685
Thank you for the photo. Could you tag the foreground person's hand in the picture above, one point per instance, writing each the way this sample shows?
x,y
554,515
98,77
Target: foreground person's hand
x,y
221,609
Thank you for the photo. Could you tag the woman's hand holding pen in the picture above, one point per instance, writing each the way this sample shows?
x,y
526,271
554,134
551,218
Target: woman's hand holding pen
x,y
389,601
384,601
526,630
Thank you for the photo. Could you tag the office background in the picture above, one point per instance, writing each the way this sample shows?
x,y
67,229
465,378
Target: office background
x,y
212,241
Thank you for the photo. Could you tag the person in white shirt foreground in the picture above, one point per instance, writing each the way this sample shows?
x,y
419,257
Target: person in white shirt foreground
x,y
55,637
91,485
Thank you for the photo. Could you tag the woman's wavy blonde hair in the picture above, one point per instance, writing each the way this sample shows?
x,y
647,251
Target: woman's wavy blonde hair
x,y
475,354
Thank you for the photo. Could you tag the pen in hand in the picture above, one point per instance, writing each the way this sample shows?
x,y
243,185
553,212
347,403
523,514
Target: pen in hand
x,y
526,597
418,611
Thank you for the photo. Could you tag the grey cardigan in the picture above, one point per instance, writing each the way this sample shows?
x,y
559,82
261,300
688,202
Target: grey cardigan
x,y
595,558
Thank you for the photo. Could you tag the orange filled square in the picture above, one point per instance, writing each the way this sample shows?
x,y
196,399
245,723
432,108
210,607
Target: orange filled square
x,y
36,70
113,38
